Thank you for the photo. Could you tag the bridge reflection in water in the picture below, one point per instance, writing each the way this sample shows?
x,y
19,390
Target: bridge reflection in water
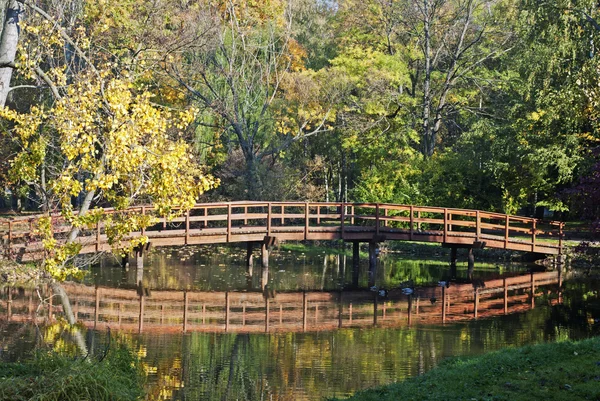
x,y
170,311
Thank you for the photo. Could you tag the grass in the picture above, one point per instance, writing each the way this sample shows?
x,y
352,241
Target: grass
x,y
554,371
50,376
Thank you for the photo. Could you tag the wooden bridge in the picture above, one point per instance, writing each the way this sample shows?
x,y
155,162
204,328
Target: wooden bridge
x,y
136,310
267,222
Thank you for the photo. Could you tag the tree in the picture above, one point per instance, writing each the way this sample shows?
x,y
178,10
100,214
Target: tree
x,y
237,80
98,138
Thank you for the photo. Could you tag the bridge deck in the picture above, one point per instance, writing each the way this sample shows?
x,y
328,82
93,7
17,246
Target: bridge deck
x,y
252,221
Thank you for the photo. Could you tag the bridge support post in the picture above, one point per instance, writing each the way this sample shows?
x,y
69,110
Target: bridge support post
x,y
471,264
264,253
139,253
373,251
249,256
453,252
355,263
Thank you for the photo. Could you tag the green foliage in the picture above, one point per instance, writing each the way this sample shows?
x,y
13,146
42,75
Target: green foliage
x,y
556,371
52,376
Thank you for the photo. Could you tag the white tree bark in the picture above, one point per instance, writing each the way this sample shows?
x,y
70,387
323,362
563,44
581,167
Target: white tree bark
x,y
12,11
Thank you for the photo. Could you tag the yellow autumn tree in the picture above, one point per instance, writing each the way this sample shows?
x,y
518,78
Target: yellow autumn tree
x,y
115,148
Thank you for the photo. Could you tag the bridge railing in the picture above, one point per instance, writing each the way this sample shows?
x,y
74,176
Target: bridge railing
x,y
248,311
233,221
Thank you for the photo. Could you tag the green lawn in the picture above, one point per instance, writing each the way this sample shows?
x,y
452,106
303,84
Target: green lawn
x,y
555,371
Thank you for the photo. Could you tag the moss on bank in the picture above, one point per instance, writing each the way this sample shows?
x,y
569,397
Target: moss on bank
x,y
50,376
555,371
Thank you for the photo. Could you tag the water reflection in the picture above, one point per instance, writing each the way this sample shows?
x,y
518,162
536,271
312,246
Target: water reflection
x,y
219,268
310,366
296,365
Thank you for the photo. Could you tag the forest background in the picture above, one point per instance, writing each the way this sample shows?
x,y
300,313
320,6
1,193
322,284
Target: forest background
x,y
489,105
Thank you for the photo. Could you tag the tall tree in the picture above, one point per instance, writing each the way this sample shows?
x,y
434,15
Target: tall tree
x,y
237,81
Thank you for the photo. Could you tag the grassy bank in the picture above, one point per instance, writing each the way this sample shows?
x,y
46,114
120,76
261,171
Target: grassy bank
x,y
557,371
50,376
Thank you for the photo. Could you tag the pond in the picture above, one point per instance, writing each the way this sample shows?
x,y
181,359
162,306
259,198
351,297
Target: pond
x,y
301,331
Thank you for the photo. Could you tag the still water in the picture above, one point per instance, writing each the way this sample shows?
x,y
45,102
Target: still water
x,y
312,365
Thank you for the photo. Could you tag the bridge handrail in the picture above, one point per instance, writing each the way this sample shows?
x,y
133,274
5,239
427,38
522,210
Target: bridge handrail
x,y
379,217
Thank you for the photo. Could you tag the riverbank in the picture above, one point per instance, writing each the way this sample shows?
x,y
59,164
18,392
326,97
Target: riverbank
x,y
553,371
51,376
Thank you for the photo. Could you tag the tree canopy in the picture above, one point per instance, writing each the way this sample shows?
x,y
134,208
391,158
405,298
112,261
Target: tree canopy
x,y
458,103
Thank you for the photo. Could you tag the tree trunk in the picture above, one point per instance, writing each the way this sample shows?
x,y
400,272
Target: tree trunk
x,y
426,145
12,11
58,289
253,180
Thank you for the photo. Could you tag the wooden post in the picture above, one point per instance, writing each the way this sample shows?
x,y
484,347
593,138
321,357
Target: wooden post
x,y
377,219
560,242
226,311
228,222
244,314
269,219
352,214
10,223
187,227
372,263
355,263
267,314
143,225
350,313
410,301
375,302
385,214
205,220
477,226
97,308
283,214
264,251
445,224
505,296
141,317
249,257
185,310
412,222
9,303
342,218
316,313
203,313
306,220
280,315
532,291
318,215
417,306
476,303
506,231
443,304
340,310
304,310
419,223
245,215
470,264
533,230
31,311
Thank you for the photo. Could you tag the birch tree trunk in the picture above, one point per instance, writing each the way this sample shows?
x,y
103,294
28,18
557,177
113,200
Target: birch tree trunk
x,y
12,11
